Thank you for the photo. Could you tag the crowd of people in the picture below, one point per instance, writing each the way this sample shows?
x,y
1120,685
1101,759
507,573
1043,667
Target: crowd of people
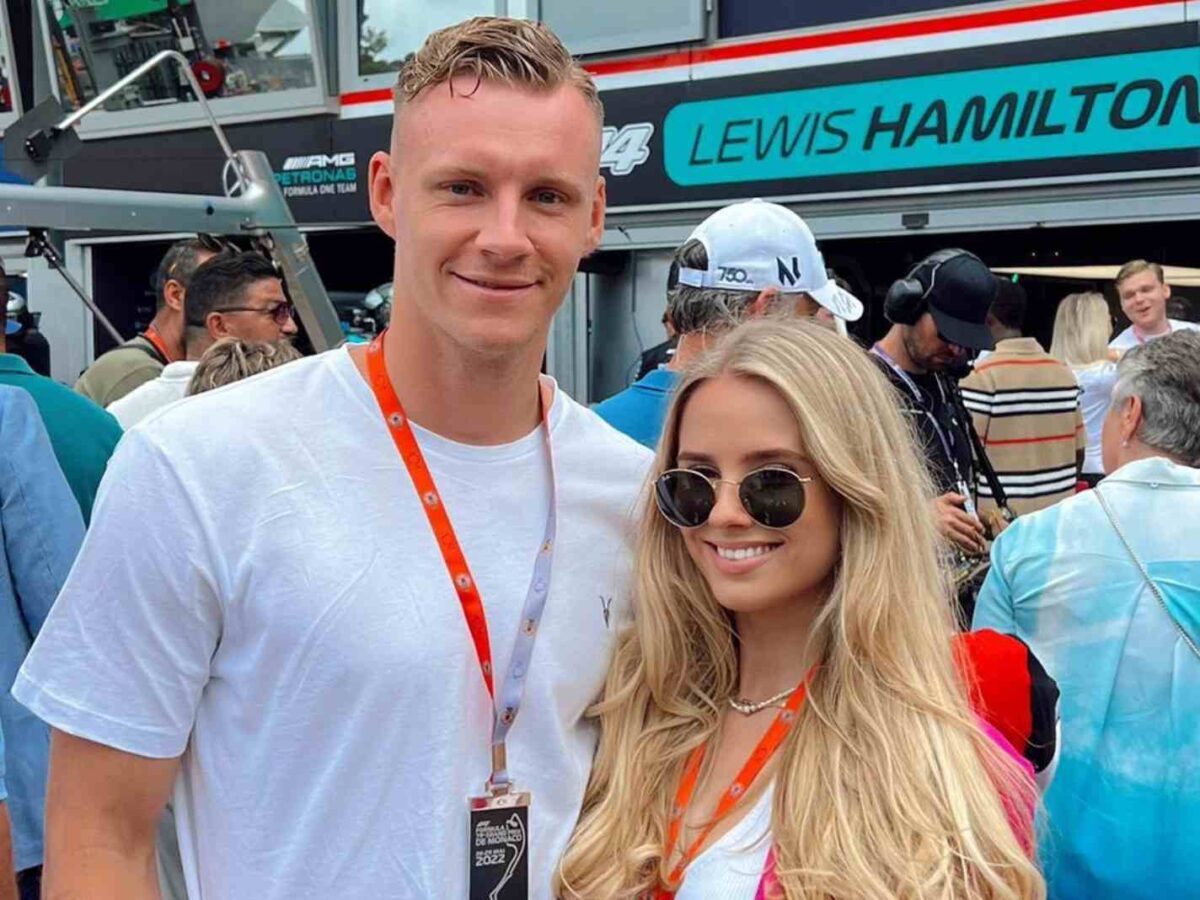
x,y
790,617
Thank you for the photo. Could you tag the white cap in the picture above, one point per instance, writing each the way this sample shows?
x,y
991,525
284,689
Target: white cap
x,y
756,245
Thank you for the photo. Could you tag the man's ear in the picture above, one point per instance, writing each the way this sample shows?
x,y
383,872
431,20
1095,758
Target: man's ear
x,y
763,302
1131,418
596,225
173,295
382,192
216,325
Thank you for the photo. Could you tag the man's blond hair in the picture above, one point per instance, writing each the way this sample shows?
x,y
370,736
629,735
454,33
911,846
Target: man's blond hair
x,y
232,359
514,52
1137,267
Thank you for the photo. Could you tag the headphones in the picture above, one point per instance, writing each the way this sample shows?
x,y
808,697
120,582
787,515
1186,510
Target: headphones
x,y
906,298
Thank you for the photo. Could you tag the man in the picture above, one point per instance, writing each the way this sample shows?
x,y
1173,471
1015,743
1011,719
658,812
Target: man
x,y
232,295
143,357
746,259
660,354
40,534
269,613
24,338
1144,293
1025,404
1105,588
83,435
939,313
8,880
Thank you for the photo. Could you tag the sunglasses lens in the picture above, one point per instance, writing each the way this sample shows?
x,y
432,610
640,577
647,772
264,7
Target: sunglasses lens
x,y
283,312
684,498
774,498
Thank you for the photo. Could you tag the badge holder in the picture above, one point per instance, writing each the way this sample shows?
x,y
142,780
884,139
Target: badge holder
x,y
499,839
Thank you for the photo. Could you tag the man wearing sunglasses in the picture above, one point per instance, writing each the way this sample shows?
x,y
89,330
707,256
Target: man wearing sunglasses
x,y
939,314
745,260
142,358
232,295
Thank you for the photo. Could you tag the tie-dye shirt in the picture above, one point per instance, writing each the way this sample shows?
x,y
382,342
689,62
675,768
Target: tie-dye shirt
x,y
1124,808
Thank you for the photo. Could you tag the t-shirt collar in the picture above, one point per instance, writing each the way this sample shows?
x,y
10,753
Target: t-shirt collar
x,y
660,379
10,362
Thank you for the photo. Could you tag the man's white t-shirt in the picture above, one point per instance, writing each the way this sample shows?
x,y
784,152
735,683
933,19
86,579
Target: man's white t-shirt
x,y
167,388
260,591
1129,338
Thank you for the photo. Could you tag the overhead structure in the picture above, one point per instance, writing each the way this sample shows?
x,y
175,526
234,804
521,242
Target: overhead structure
x,y
253,206
1181,276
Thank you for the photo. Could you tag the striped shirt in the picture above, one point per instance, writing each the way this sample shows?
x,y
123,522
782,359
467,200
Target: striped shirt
x,y
1025,405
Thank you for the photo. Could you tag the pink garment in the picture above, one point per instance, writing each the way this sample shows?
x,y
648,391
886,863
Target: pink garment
x,y
1019,817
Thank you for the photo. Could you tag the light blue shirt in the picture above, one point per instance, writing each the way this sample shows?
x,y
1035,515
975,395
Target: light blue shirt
x,y
640,410
1124,808
41,530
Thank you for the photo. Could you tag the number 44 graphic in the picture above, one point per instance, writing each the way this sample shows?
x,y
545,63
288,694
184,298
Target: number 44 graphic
x,y
626,148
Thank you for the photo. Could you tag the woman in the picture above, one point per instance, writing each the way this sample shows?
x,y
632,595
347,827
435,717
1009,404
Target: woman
x,y
1082,329
1105,587
791,561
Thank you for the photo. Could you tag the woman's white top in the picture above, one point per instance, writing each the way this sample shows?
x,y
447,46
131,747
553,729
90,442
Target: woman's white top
x,y
1095,393
732,866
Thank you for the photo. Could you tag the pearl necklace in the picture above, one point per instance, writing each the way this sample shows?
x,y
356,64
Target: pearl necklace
x,y
747,708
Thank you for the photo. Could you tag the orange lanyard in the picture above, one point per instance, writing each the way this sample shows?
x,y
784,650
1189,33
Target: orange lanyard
x,y
151,334
506,707
691,773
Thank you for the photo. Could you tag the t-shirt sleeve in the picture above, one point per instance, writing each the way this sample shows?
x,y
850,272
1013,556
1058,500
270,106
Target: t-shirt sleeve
x,y
125,653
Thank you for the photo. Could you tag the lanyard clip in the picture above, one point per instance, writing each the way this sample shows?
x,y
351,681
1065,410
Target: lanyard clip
x,y
498,782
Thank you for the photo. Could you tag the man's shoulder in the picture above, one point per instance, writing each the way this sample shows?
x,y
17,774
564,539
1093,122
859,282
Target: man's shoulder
x,y
291,400
1124,341
59,401
117,365
595,434
1183,325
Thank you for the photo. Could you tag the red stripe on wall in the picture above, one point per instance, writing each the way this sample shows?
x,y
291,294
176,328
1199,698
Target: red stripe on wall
x,y
858,35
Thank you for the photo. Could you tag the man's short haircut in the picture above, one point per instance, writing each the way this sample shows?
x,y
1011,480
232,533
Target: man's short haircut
x,y
232,359
222,282
1165,374
1009,306
514,52
694,309
1137,267
181,260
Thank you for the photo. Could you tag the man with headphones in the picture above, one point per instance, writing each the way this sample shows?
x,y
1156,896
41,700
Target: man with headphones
x,y
939,314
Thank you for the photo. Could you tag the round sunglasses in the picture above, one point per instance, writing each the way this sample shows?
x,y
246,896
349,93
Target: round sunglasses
x,y
772,496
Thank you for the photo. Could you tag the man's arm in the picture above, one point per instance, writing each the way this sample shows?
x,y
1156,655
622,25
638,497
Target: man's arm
x,y
8,877
42,525
102,806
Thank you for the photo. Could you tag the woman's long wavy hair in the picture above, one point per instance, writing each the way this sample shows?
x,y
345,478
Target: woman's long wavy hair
x,y
886,787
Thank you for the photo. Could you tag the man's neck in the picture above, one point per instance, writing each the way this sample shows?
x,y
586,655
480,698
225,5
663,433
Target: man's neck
x,y
893,345
773,647
476,400
1162,326
170,328
690,346
1005,334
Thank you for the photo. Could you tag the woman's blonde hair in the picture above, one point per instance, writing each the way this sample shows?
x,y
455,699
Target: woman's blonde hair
x,y
1082,329
886,786
231,359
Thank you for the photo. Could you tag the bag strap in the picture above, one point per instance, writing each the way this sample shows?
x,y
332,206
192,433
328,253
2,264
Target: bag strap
x,y
1154,589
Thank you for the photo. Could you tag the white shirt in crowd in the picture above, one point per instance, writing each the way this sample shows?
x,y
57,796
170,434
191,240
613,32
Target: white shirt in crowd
x,y
731,868
1130,338
1095,394
169,386
260,592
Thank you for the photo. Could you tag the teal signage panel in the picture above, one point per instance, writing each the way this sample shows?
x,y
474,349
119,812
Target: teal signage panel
x,y
1128,103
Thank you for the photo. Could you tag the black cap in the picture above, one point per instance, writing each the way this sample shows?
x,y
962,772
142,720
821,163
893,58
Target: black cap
x,y
960,293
